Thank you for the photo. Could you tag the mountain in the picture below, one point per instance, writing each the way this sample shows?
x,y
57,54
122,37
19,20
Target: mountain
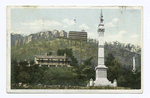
x,y
15,37
18,39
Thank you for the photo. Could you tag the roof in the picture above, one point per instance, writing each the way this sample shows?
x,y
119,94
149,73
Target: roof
x,y
54,57
43,56
77,32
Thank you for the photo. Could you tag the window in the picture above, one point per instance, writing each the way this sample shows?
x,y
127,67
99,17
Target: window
x,y
52,65
58,65
44,65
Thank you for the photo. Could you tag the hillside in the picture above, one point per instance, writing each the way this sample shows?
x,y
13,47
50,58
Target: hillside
x,y
81,50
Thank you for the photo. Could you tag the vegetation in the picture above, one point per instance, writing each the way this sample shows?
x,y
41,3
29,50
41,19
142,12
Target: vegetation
x,y
69,54
81,50
64,76
66,87
118,59
125,77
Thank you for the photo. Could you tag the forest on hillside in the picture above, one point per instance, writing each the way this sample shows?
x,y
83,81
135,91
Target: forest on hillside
x,y
118,59
81,50
75,77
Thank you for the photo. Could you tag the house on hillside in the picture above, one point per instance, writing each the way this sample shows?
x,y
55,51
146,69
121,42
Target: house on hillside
x,y
52,61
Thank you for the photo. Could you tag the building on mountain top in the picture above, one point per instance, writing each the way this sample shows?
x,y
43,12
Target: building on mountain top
x,y
82,35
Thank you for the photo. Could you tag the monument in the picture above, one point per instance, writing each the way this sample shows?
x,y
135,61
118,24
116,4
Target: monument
x,y
101,69
134,69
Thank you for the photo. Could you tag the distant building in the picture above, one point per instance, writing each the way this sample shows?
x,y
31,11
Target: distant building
x,y
52,61
78,35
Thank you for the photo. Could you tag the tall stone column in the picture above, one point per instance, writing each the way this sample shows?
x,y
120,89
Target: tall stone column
x,y
101,69
101,31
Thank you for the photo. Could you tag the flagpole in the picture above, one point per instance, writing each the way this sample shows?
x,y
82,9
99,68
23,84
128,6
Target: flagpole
x,y
75,23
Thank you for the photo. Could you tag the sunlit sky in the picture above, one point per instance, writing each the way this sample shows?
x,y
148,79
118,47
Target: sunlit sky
x,y
123,25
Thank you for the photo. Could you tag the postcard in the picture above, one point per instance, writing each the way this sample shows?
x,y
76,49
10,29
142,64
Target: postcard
x,y
74,49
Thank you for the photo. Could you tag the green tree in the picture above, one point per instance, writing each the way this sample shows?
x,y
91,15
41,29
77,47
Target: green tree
x,y
88,72
14,70
114,67
88,61
84,72
110,60
50,53
69,54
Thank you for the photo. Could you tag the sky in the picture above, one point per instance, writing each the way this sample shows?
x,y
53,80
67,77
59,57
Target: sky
x,y
123,25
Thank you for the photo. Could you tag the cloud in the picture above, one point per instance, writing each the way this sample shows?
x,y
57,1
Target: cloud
x,y
65,26
114,37
115,20
40,23
83,26
134,36
72,22
110,24
18,31
37,25
122,32
119,35
68,22
54,23
125,37
91,34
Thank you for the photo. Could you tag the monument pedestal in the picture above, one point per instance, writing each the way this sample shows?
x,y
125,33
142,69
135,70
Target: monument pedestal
x,y
102,82
101,76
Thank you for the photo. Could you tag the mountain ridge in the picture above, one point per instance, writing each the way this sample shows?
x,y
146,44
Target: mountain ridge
x,y
17,39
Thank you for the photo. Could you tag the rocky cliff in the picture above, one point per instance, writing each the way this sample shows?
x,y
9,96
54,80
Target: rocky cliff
x,y
63,34
17,39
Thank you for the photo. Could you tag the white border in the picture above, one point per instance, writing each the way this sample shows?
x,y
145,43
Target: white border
x,y
54,91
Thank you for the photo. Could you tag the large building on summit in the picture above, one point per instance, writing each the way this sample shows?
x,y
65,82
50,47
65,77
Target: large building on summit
x,y
82,35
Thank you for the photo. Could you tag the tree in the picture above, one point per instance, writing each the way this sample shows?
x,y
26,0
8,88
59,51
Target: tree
x,y
87,62
14,70
84,72
21,72
69,54
74,61
23,77
88,72
110,60
50,53
114,67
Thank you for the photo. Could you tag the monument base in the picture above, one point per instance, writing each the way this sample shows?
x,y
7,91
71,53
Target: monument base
x,y
101,78
103,82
